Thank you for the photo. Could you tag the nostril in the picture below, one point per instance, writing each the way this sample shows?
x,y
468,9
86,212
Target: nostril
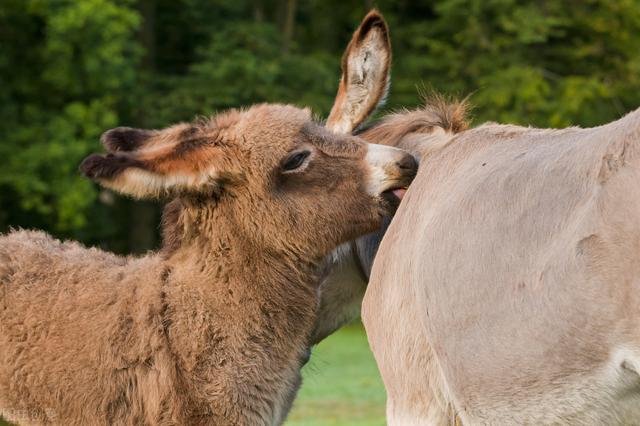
x,y
407,163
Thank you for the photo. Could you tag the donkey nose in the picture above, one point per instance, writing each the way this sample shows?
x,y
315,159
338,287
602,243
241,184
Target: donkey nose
x,y
389,168
407,164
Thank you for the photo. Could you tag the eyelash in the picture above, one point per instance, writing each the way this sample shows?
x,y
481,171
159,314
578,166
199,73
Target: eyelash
x,y
295,161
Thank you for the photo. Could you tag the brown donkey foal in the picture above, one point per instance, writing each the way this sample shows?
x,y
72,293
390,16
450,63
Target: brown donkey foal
x,y
214,327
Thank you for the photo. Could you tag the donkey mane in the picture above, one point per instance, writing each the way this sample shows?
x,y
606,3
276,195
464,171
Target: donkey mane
x,y
172,227
437,111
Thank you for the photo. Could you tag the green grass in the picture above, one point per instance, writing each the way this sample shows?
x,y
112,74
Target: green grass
x,y
341,385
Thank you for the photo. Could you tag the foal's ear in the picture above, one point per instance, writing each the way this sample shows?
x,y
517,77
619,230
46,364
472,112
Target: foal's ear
x,y
150,164
366,65
125,139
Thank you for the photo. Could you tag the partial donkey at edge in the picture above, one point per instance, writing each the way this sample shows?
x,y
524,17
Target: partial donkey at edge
x,y
213,328
505,290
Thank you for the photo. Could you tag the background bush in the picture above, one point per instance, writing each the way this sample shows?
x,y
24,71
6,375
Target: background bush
x,y
71,69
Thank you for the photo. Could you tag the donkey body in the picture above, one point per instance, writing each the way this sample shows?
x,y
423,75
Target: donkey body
x,y
513,268
507,287
213,328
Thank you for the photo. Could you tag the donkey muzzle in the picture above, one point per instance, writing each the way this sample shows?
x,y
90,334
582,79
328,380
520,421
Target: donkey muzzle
x,y
391,170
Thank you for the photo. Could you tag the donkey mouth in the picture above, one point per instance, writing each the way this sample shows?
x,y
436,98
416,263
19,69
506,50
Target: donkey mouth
x,y
399,192
393,196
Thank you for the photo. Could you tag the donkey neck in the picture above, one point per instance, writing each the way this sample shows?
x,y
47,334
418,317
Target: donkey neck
x,y
241,317
258,291
219,272
226,258
212,235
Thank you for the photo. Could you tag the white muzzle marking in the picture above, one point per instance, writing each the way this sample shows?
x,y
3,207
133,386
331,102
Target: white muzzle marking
x,y
381,159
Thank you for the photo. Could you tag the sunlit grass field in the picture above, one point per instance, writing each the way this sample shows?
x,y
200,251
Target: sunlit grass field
x,y
341,385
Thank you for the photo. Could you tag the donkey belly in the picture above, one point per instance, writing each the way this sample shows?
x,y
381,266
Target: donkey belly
x,y
607,396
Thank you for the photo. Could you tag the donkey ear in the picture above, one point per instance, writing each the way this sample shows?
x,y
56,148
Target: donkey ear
x,y
125,139
366,64
170,161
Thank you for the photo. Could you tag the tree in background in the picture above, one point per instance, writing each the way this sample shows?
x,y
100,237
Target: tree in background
x,y
546,62
70,69
67,70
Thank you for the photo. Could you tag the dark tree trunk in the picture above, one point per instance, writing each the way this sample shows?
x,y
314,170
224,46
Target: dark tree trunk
x,y
289,24
143,222
143,216
148,33
258,11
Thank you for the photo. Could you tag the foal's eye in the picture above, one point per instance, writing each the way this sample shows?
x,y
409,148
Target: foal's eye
x,y
295,160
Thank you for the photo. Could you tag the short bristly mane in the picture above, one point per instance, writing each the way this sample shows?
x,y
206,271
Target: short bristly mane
x,y
436,112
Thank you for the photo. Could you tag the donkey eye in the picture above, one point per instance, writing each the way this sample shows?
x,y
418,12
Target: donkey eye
x,y
295,160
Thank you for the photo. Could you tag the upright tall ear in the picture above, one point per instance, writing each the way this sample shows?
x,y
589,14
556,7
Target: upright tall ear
x,y
149,164
366,65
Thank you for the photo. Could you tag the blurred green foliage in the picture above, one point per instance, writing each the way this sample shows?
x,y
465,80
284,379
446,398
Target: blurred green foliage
x,y
71,69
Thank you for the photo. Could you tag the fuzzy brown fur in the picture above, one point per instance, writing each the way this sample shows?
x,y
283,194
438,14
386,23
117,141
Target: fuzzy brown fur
x,y
212,329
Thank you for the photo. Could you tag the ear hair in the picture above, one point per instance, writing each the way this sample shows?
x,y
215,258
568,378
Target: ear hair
x,y
125,139
108,166
366,65
149,163
124,173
